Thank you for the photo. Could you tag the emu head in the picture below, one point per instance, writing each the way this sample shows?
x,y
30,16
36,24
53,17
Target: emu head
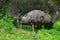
x,y
19,17
22,19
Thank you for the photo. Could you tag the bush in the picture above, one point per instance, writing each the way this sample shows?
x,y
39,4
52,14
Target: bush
x,y
6,23
57,25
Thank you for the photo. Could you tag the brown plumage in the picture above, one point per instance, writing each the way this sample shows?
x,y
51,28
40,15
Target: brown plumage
x,y
37,17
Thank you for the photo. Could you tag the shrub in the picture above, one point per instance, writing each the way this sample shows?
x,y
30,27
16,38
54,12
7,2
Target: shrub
x,y
6,23
57,25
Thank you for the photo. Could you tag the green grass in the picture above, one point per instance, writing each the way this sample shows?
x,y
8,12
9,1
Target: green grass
x,y
9,32
19,34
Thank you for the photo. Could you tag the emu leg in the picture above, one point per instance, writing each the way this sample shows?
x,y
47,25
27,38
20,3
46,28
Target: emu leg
x,y
35,32
48,25
36,28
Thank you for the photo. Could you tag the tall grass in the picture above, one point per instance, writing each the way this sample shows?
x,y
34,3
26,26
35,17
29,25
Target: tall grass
x,y
25,32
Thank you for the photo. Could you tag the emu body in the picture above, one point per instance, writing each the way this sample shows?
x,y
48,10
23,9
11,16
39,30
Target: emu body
x,y
36,17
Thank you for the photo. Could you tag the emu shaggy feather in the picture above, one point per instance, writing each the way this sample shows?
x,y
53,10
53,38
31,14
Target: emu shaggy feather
x,y
37,17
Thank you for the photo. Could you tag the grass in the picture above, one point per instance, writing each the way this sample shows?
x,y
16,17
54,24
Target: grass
x,y
19,34
9,32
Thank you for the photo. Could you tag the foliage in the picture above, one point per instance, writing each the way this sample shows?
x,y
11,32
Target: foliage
x,y
22,34
27,5
6,23
48,34
11,7
28,35
57,25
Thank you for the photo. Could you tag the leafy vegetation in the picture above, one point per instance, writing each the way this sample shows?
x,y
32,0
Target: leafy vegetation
x,y
9,32
8,10
57,25
6,23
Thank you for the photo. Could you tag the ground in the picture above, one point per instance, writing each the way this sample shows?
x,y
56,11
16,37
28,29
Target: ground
x,y
20,34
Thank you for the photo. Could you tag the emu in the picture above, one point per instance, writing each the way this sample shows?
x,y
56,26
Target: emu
x,y
37,17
